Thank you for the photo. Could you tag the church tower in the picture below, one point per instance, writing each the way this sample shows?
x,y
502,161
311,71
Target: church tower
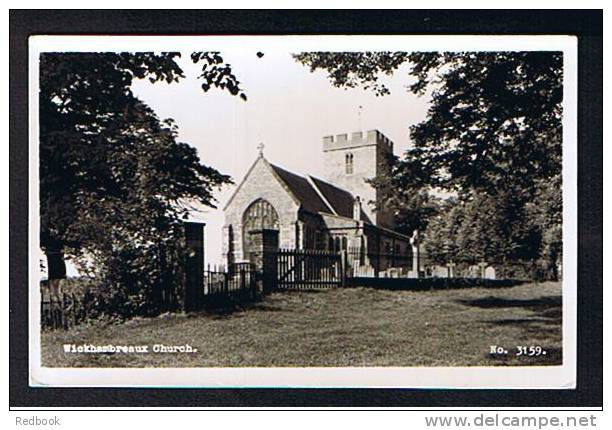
x,y
350,160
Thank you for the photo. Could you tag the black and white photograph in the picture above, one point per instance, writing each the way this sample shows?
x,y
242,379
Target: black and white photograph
x,y
303,211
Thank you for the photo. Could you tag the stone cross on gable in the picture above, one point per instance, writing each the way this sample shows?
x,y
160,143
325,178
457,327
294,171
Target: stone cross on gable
x,y
260,148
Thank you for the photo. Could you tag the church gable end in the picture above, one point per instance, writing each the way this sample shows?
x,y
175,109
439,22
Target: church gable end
x,y
260,183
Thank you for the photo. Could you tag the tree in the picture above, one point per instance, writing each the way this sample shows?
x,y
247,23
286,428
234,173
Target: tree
x,y
494,118
492,136
477,227
402,191
440,238
110,170
546,213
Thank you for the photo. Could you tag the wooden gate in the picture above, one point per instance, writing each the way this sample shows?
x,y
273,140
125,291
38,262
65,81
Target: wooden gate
x,y
308,269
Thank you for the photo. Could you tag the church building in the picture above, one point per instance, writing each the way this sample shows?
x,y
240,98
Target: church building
x,y
332,213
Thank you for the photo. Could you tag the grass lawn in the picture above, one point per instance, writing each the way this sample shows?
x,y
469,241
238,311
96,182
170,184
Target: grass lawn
x,y
339,327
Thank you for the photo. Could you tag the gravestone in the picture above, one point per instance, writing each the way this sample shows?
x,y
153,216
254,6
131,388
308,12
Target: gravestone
x,y
451,269
415,241
474,271
439,271
483,266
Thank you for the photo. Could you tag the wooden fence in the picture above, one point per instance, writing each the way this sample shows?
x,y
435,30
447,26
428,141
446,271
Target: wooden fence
x,y
64,310
235,284
308,269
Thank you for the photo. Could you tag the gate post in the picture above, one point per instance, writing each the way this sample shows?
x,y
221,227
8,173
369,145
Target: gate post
x,y
343,268
193,288
264,257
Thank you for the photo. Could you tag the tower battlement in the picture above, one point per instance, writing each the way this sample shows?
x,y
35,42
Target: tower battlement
x,y
355,139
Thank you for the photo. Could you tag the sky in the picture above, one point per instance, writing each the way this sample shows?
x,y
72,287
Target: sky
x,y
289,110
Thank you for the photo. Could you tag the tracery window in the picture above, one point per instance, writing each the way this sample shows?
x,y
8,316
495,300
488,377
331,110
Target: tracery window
x,y
259,215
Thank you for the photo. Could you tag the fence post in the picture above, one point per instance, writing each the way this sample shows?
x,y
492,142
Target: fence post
x,y
343,267
242,293
42,312
64,306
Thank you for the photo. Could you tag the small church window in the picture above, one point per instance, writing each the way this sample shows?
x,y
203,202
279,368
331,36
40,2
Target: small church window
x,y
349,163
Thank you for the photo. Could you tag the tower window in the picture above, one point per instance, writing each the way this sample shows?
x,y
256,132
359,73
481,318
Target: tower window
x,y
348,163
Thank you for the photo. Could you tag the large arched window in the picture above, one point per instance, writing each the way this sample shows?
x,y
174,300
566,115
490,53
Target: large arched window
x,y
348,163
259,215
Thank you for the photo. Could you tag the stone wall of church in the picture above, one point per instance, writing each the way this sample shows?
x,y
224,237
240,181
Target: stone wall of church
x,y
260,184
364,167
350,234
379,245
313,232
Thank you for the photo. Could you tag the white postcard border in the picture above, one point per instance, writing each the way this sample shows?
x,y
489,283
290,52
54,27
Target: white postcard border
x,y
523,377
